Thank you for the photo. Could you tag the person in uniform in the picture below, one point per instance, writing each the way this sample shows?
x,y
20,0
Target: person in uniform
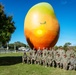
x,y
54,53
44,56
72,62
65,62
38,58
38,51
24,57
69,52
58,60
33,59
44,51
29,57
61,51
44,59
49,59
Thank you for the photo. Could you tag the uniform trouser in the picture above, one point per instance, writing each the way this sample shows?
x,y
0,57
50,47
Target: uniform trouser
x,y
41,62
65,66
49,63
58,64
33,61
38,62
61,65
71,67
74,67
54,64
24,60
28,61
44,62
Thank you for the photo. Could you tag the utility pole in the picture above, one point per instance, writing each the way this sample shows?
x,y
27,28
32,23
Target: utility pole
x,y
7,47
15,46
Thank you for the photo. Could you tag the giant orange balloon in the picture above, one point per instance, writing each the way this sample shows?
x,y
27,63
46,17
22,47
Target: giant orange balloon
x,y
41,27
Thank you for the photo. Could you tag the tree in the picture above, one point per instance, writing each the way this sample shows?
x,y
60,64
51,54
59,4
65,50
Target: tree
x,y
6,26
55,47
74,47
16,45
66,45
11,46
20,44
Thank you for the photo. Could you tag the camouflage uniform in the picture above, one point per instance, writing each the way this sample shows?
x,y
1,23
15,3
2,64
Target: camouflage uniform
x,y
61,52
54,53
38,59
50,52
33,59
45,51
58,60
44,59
65,62
72,62
24,58
29,57
49,59
69,52
75,64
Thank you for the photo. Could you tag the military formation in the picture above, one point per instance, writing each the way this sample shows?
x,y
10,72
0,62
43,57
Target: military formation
x,y
51,58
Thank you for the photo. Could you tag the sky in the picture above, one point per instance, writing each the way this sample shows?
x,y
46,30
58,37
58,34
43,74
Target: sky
x,y
65,11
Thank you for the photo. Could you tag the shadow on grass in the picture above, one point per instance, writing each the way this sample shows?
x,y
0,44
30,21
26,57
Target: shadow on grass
x,y
10,60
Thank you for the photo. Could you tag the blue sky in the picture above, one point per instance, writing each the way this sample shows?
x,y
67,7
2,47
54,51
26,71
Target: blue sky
x,y
65,11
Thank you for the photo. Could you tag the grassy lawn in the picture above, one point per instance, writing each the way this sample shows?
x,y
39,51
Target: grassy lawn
x,y
25,69
28,69
11,54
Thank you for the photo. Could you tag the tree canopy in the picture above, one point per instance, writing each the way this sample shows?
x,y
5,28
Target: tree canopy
x,y
6,26
17,45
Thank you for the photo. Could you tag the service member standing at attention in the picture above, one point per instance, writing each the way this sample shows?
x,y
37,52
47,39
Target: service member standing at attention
x,y
24,57
49,59
69,52
58,60
33,56
72,62
65,62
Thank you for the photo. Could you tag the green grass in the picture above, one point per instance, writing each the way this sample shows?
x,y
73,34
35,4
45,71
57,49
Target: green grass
x,y
25,69
29,69
11,54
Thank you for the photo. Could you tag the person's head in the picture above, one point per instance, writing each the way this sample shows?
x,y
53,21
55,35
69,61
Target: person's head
x,y
43,48
60,48
69,48
30,53
24,53
39,48
65,55
58,54
50,48
46,48
44,53
50,54
72,55
33,48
